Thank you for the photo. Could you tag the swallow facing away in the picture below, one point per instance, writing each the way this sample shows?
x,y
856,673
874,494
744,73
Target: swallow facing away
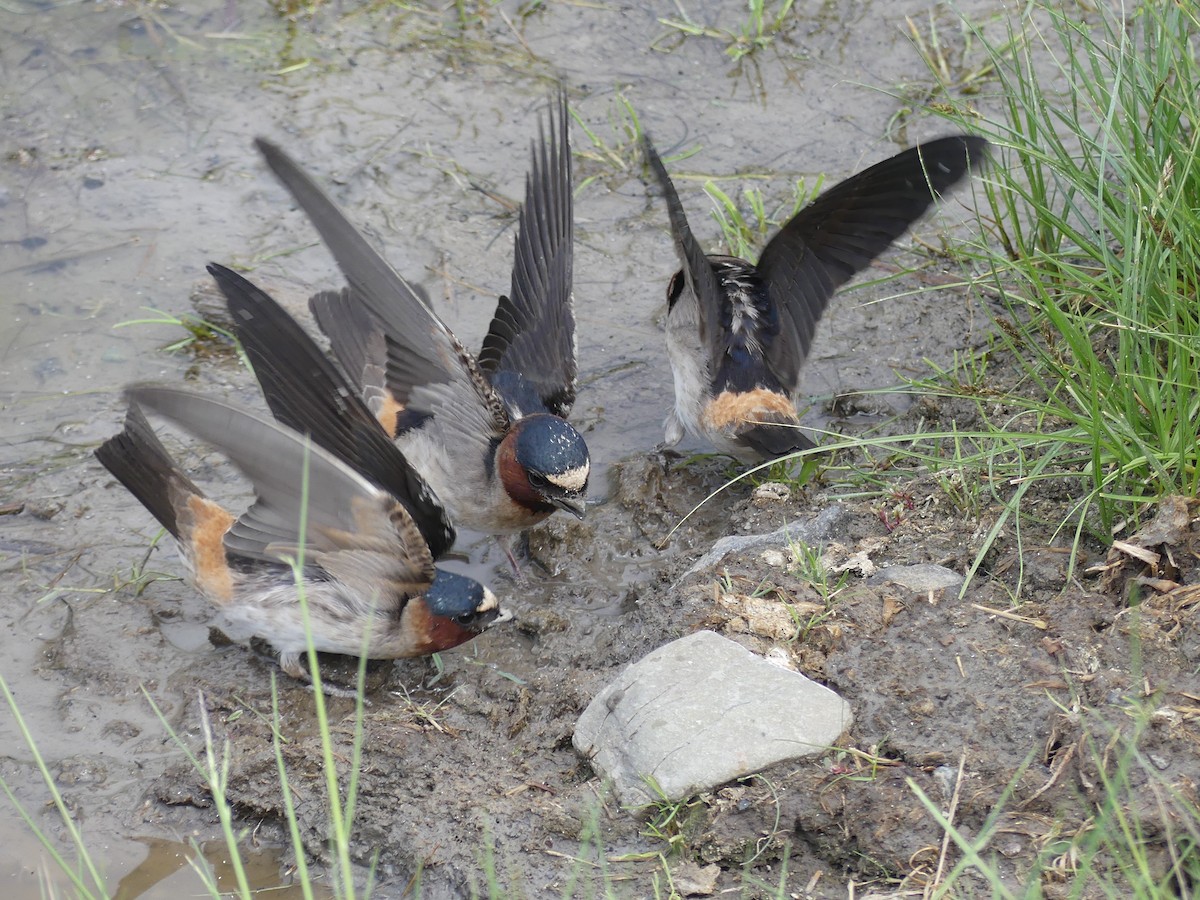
x,y
488,432
368,574
738,333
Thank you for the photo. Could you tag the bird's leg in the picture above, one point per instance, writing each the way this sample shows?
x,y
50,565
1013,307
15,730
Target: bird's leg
x,y
506,545
521,543
294,665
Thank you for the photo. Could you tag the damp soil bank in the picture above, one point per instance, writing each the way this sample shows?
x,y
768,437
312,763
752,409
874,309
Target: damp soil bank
x,y
1011,720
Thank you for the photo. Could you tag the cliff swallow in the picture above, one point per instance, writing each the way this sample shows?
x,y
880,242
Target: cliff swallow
x,y
488,433
738,333
369,582
306,392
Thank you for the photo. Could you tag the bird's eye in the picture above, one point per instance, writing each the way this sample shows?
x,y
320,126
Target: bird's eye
x,y
539,481
470,621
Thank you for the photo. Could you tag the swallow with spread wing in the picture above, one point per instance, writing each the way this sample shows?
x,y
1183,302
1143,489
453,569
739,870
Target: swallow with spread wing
x,y
369,579
488,433
738,333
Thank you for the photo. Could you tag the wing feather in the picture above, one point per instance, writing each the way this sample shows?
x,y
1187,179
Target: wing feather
x,y
532,335
421,350
307,392
844,229
300,488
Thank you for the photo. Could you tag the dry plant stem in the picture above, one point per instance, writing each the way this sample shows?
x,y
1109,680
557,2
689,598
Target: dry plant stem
x,y
1039,624
1063,760
941,867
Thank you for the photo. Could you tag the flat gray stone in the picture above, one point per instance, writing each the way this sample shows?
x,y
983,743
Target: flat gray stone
x,y
920,579
702,711
812,532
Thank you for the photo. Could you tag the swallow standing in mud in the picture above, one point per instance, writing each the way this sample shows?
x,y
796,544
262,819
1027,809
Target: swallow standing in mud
x,y
369,579
738,333
488,433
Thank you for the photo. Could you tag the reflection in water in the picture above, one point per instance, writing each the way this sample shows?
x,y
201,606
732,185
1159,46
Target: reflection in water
x,y
165,858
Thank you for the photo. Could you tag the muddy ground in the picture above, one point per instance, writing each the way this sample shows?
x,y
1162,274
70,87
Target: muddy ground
x,y
127,166
1011,715
1033,701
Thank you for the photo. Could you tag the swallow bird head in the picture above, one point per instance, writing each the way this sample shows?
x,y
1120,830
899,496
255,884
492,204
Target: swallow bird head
x,y
459,608
544,464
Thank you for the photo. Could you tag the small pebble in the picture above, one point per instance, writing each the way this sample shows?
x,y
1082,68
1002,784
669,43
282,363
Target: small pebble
x,y
777,656
774,558
945,777
771,492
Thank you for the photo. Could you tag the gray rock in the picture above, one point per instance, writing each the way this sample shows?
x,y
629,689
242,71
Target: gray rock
x,y
691,880
920,579
945,777
810,531
702,711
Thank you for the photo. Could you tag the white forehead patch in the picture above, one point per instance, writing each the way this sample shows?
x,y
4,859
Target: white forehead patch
x,y
573,480
489,601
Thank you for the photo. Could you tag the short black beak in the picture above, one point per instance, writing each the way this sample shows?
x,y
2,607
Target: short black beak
x,y
574,507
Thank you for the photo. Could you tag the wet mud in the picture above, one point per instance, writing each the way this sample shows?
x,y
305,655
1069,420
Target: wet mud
x,y
127,165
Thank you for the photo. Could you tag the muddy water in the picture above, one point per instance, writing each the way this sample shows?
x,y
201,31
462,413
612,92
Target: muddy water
x,y
127,166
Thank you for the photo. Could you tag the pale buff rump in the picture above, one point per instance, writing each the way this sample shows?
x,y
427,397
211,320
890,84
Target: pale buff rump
x,y
729,409
207,544
389,413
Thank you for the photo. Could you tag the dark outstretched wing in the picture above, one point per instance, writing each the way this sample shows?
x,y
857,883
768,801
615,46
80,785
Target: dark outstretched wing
x,y
140,462
844,229
774,440
359,343
532,334
427,366
698,272
306,391
352,528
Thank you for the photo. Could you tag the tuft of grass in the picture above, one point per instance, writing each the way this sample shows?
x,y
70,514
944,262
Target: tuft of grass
x,y
203,339
810,565
616,153
669,820
758,30
960,61
961,477
1093,247
745,229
